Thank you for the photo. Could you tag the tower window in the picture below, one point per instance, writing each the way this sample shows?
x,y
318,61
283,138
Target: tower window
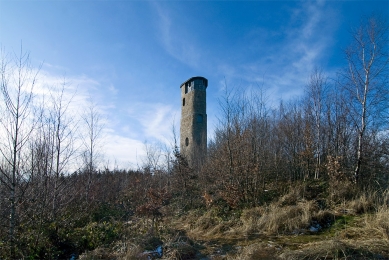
x,y
183,102
186,88
186,141
199,118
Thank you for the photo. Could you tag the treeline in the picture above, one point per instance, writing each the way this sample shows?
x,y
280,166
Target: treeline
x,y
317,138
40,144
338,132
56,201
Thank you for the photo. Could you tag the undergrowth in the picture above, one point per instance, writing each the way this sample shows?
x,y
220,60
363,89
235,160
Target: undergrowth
x,y
291,227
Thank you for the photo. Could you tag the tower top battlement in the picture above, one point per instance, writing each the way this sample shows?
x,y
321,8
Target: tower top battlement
x,y
197,78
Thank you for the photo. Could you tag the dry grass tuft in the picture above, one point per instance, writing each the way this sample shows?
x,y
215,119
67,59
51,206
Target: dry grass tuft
x,y
363,204
207,221
180,247
134,252
294,195
340,249
275,219
378,248
256,251
371,226
331,249
180,251
380,221
98,253
251,219
222,228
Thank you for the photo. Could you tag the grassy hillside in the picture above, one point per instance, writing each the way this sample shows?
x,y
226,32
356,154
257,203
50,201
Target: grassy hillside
x,y
290,227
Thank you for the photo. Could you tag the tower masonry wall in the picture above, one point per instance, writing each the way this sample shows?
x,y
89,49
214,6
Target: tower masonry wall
x,y
193,129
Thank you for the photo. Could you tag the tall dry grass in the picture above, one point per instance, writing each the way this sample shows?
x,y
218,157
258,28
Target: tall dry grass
x,y
338,249
378,223
280,220
370,226
134,252
256,251
366,238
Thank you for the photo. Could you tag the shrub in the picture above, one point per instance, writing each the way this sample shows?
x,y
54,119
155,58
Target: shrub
x,y
91,236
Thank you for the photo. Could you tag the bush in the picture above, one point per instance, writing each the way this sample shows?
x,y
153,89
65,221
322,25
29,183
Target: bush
x,y
90,236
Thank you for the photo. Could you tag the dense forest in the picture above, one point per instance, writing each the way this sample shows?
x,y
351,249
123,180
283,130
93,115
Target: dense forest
x,y
304,164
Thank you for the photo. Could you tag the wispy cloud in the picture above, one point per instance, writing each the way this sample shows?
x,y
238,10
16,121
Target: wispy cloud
x,y
112,89
284,67
157,120
76,89
174,39
123,139
117,149
123,152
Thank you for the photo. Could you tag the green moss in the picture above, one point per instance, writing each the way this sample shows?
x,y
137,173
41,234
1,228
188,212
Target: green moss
x,y
341,223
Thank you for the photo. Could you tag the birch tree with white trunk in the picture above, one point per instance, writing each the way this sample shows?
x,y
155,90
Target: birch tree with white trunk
x,y
367,81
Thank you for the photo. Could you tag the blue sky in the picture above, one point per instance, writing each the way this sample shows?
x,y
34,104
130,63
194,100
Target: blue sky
x,y
132,56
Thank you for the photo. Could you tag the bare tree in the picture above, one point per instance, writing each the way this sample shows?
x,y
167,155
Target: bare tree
x,y
50,150
367,79
152,160
92,142
226,123
63,142
17,82
315,92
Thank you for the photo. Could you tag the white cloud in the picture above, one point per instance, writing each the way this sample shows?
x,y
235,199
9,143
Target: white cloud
x,y
123,152
175,40
112,89
156,120
123,140
117,150
285,66
76,88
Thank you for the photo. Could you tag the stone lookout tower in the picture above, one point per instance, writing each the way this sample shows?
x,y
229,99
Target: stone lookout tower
x,y
193,130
